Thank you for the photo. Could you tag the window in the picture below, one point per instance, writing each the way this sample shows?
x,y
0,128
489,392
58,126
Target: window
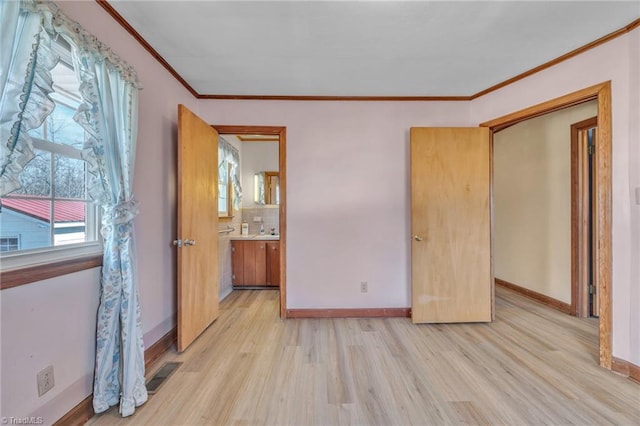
x,y
229,187
225,190
52,207
9,244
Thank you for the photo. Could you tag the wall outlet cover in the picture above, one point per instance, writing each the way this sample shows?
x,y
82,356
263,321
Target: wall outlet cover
x,y
45,380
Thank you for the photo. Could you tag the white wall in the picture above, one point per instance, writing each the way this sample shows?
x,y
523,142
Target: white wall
x,y
532,202
618,61
61,312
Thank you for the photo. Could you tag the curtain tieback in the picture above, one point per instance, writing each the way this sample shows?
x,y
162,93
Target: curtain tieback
x,y
120,213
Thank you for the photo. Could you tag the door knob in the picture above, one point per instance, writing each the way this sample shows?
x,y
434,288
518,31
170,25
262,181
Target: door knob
x,y
415,237
177,243
189,242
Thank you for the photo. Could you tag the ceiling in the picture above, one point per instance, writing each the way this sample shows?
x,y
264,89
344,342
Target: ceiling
x,y
377,48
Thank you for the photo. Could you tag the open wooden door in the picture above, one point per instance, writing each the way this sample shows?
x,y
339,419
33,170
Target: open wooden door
x,y
451,270
197,243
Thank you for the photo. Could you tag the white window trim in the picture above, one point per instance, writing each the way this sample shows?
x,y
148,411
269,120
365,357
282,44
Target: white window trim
x,y
8,237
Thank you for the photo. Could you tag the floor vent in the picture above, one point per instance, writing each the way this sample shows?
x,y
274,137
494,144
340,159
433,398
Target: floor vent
x,y
163,374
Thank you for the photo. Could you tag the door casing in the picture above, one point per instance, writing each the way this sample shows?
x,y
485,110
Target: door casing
x,y
603,188
581,212
281,132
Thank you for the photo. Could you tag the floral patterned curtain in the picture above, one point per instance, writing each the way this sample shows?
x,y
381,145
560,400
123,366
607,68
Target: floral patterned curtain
x,y
25,80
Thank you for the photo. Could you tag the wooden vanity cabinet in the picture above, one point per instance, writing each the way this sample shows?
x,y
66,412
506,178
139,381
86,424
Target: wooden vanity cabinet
x,y
255,263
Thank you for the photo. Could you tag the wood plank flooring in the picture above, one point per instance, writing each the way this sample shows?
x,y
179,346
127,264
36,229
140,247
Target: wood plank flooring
x,y
533,365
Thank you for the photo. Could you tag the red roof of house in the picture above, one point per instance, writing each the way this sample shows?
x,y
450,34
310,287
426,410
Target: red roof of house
x,y
65,211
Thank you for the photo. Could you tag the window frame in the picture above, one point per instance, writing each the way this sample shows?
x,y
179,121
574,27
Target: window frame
x,y
9,237
229,191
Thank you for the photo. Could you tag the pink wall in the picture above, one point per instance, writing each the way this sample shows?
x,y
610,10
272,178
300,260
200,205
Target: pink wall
x,y
348,209
347,193
634,212
52,322
619,62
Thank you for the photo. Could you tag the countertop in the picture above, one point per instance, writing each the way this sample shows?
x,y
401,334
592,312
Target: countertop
x,y
256,237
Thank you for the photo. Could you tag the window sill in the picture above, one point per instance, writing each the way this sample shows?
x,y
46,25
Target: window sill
x,y
29,274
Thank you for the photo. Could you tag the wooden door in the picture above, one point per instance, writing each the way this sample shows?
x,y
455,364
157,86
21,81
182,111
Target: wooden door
x,y
592,135
451,270
197,226
584,288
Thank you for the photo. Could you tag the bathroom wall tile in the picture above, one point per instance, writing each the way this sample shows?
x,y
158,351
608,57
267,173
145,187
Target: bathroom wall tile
x,y
224,249
270,218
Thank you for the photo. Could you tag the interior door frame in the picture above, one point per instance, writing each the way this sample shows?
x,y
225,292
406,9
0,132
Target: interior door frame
x,y
602,261
281,132
581,210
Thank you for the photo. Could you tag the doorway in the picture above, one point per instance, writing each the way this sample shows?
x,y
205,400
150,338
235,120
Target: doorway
x,y
280,132
602,251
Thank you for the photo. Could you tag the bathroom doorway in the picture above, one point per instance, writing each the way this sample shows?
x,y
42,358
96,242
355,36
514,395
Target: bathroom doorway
x,y
250,134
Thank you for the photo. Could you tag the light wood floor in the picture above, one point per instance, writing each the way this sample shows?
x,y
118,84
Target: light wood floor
x,y
532,365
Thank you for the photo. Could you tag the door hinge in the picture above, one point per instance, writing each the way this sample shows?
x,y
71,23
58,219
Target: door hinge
x,y
591,149
591,289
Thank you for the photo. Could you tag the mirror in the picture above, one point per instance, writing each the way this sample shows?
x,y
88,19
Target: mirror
x,y
267,188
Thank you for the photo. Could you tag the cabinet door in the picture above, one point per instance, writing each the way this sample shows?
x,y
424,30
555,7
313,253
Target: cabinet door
x,y
249,263
273,263
237,262
257,268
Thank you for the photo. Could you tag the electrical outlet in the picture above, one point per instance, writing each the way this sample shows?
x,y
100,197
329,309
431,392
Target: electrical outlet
x,y
364,287
45,380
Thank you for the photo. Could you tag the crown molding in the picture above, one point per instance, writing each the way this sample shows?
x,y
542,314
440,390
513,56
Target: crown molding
x,y
624,30
136,35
